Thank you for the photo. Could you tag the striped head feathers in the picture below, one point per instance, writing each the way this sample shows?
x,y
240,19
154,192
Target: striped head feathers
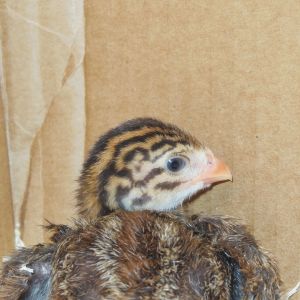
x,y
145,164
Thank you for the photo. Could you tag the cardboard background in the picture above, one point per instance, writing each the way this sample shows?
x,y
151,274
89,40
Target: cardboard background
x,y
227,71
42,90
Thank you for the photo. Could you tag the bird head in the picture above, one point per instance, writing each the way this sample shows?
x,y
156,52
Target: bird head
x,y
145,164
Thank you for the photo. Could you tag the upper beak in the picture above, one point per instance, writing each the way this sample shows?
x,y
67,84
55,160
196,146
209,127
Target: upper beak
x,y
215,171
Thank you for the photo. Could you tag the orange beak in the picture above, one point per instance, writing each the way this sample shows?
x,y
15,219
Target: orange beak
x,y
215,171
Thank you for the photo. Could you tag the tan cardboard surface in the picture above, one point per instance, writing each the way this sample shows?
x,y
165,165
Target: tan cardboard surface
x,y
227,71
6,211
43,99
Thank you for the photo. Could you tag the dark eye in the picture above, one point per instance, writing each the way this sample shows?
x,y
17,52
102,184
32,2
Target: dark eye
x,y
176,164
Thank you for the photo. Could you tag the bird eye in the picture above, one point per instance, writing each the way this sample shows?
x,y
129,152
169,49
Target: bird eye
x,y
176,164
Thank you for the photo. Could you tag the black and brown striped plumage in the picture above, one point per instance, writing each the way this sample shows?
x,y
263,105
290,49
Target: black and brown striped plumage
x,y
127,169
139,254
148,255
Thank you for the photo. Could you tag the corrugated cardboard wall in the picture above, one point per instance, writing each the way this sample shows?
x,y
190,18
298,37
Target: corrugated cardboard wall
x,y
228,71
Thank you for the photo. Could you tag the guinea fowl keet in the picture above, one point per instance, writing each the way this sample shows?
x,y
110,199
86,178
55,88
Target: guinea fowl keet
x,y
127,247
145,164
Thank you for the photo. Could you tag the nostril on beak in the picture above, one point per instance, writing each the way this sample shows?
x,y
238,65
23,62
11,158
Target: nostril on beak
x,y
210,156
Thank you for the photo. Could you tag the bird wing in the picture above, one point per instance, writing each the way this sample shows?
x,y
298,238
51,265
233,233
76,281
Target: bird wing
x,y
255,274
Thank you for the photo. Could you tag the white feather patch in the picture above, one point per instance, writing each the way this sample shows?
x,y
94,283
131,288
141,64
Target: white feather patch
x,y
25,268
